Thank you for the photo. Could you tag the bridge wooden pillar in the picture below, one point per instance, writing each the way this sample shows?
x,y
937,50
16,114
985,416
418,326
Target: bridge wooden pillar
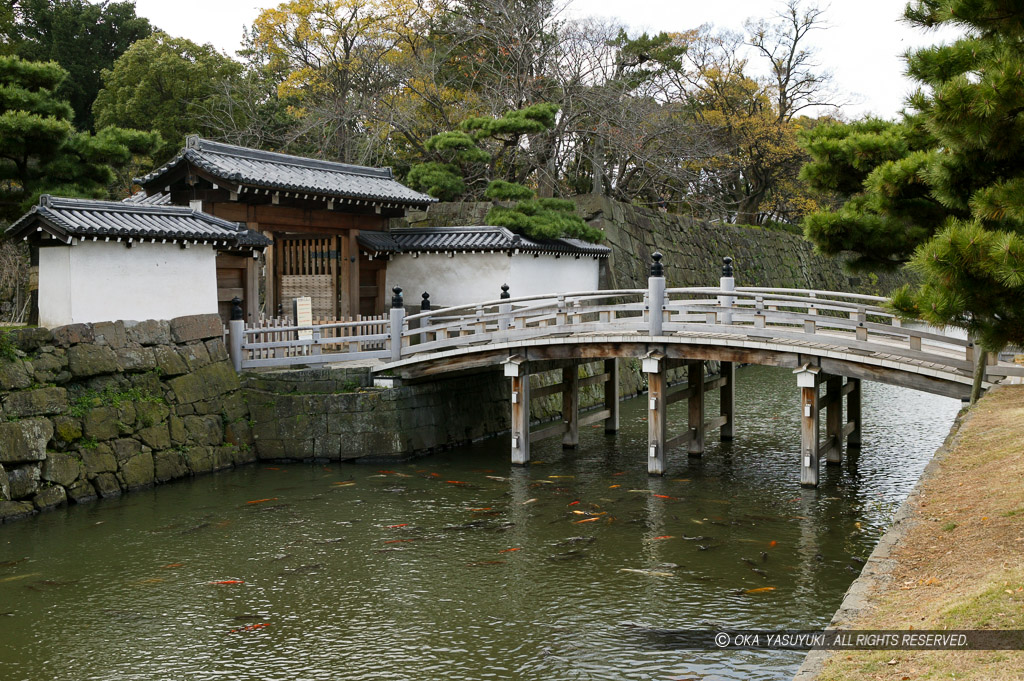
x,y
571,405
517,369
852,428
808,380
695,406
654,365
834,419
727,399
611,395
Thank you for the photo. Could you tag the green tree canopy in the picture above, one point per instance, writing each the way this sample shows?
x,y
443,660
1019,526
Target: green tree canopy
x,y
83,37
40,150
161,83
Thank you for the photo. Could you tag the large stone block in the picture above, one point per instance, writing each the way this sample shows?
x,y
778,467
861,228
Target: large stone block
x,y
14,510
110,333
50,497
149,332
195,355
168,361
39,402
177,430
217,350
137,471
89,360
125,449
72,334
169,465
15,374
206,383
62,469
24,440
196,327
200,459
81,491
204,430
150,413
5,485
99,460
49,366
100,423
107,485
30,339
156,437
133,359
24,480
242,455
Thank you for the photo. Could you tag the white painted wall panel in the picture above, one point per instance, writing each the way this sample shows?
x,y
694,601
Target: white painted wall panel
x,y
107,281
548,274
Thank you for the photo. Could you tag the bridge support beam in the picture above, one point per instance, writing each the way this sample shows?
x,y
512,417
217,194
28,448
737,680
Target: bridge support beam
x,y
808,378
611,395
834,419
517,369
657,427
853,412
571,405
695,406
727,399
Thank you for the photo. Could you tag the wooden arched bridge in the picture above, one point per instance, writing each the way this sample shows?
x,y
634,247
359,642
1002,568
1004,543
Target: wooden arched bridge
x,y
824,336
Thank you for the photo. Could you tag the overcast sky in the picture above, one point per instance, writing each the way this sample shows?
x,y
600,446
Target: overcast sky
x,y
862,46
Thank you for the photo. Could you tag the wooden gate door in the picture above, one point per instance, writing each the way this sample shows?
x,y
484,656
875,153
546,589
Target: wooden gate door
x,y
308,266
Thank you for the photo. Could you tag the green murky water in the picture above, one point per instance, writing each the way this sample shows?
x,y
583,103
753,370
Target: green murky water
x,y
459,566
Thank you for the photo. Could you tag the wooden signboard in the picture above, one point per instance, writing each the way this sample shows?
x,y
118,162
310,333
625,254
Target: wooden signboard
x,y
303,311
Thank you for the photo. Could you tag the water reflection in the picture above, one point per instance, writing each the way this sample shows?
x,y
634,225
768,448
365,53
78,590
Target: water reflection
x,y
410,572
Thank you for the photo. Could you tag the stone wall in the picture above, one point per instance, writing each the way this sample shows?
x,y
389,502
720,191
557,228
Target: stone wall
x,y
693,250
93,410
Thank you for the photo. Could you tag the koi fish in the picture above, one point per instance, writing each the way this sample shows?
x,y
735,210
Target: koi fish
x,y
680,480
480,510
619,473
561,476
392,527
614,486
455,482
649,573
664,496
347,483
250,627
397,541
260,501
773,543
642,491
387,472
585,520
759,590
529,501
510,550
664,536
228,581
173,565
17,577
496,477
573,503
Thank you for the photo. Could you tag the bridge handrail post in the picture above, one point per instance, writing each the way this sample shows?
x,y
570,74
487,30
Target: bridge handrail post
x,y
397,324
236,333
504,309
727,282
656,294
425,320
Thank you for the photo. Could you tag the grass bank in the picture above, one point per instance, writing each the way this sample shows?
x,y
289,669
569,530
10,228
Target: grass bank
x,y
956,561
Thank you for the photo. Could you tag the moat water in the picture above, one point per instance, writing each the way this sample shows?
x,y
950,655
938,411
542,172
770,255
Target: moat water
x,y
463,567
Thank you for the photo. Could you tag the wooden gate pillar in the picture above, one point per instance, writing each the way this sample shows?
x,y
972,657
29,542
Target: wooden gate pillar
x,y
807,381
517,369
727,399
695,406
571,406
611,395
657,428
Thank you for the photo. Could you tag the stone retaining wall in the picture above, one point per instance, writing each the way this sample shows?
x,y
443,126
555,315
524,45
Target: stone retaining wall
x,y
93,410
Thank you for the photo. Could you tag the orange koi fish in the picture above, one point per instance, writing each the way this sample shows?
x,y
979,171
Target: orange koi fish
x,y
392,527
250,627
509,550
664,536
260,501
664,496
485,508
614,486
455,482
173,565
573,503
387,472
585,520
228,581
760,590
397,541
773,543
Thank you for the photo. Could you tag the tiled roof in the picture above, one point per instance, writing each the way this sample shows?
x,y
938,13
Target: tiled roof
x,y
68,219
242,167
463,239
158,199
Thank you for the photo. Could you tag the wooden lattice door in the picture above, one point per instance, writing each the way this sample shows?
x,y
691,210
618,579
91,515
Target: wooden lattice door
x,y
309,267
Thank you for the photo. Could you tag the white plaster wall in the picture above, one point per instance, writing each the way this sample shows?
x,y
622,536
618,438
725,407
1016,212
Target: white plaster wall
x,y
98,281
548,274
462,279
474,277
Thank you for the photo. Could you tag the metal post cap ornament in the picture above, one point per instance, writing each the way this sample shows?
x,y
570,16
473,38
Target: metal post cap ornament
x,y
504,291
425,304
396,300
236,309
726,266
657,269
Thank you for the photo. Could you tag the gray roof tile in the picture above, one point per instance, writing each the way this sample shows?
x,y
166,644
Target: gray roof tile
x,y
65,219
236,165
462,239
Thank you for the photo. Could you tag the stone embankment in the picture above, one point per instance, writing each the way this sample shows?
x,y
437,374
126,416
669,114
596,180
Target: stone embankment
x,y
94,410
